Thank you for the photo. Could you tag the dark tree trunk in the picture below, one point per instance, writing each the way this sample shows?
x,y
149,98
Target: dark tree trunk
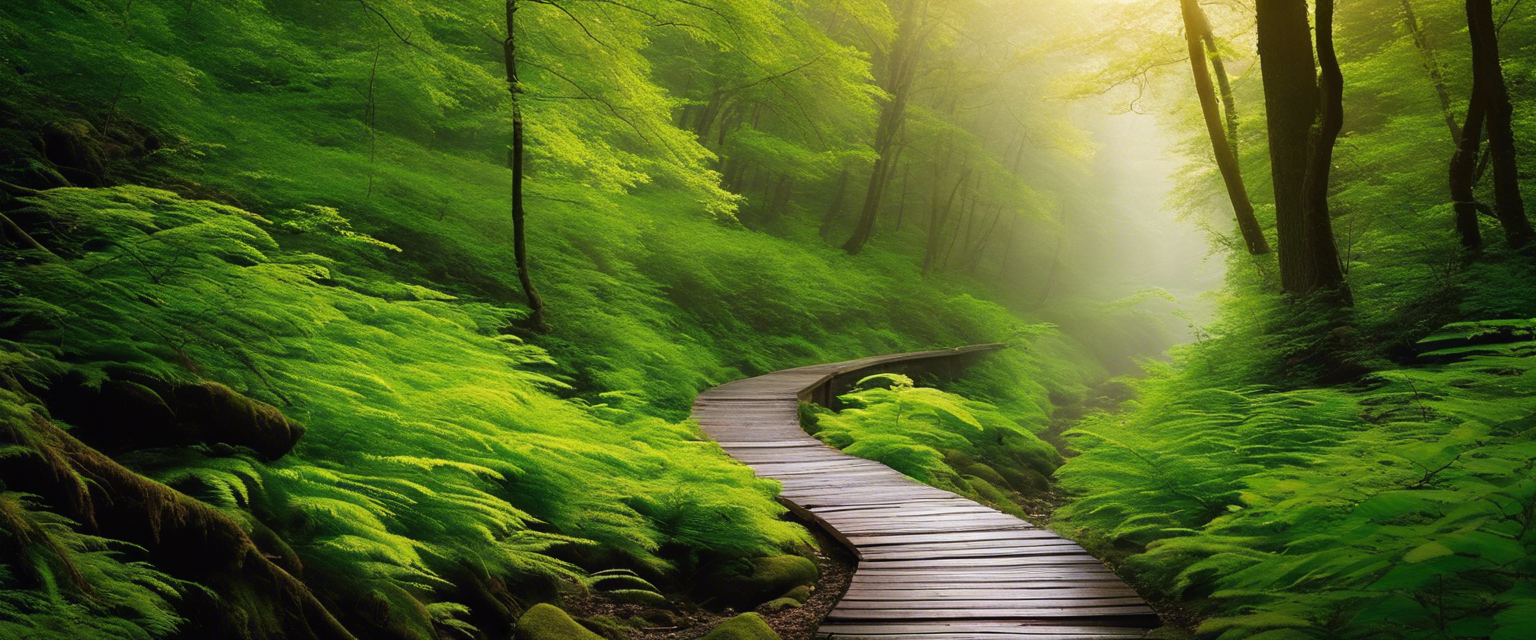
x,y
1002,269
515,159
939,220
835,211
707,116
901,207
1463,177
1323,270
1432,65
1223,82
901,69
963,224
1290,99
1197,31
782,196
1488,80
979,250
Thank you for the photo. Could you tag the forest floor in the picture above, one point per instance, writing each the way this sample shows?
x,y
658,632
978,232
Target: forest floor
x,y
688,620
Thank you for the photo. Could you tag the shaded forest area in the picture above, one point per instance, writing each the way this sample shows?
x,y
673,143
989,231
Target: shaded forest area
x,y
382,318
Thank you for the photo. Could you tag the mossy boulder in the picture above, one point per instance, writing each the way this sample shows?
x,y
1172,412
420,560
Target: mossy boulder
x,y
747,626
223,415
74,148
129,414
985,473
987,491
548,622
800,594
613,627
775,606
1026,480
747,584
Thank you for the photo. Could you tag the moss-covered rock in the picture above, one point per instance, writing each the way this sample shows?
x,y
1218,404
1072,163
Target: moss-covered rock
x,y
747,626
775,606
987,490
782,573
612,627
747,584
985,473
801,593
1025,480
548,622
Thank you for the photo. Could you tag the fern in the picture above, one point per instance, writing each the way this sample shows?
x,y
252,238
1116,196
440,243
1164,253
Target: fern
x,y
1391,509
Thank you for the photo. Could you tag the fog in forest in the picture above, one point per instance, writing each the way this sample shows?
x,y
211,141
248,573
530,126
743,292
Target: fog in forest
x,y
767,319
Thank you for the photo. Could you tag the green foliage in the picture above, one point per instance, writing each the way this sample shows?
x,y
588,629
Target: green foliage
x,y
1396,508
56,582
341,252
940,439
430,445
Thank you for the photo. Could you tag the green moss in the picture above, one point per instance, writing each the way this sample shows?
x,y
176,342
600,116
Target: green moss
x,y
612,627
778,574
548,622
745,585
985,473
638,596
775,606
801,593
747,626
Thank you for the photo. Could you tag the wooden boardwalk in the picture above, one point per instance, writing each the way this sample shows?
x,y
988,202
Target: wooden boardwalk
x,y
932,565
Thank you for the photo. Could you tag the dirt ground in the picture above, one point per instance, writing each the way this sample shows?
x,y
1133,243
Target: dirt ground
x,y
685,620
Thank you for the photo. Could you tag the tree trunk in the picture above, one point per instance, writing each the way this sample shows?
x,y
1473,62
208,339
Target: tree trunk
x,y
939,220
1290,99
835,211
1002,269
515,159
1224,83
1488,80
1463,176
707,116
1323,270
979,250
901,69
963,225
1196,30
1432,65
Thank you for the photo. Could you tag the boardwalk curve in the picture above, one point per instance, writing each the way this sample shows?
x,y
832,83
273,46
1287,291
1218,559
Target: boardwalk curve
x,y
932,565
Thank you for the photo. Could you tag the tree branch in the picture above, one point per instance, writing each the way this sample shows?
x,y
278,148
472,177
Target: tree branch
x,y
402,37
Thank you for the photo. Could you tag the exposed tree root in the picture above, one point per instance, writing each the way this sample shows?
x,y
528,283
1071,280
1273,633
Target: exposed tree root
x,y
185,538
123,414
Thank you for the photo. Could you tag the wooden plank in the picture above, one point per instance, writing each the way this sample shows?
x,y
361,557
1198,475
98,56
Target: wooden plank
x,y
934,566
929,592
918,604
973,631
884,540
1023,612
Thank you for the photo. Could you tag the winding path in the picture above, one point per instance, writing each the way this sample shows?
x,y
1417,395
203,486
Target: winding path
x,y
932,565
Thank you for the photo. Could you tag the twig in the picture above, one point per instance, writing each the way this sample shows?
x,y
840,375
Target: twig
x,y
26,239
402,37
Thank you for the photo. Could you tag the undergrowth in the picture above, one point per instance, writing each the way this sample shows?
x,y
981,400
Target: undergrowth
x,y
1398,507
431,445
940,439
